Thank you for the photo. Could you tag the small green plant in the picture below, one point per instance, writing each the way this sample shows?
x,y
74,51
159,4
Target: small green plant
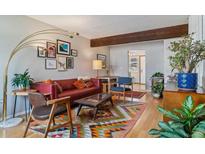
x,y
158,74
22,80
158,87
157,84
187,54
186,122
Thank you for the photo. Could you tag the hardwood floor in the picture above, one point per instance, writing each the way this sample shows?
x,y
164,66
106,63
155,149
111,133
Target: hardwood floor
x,y
148,120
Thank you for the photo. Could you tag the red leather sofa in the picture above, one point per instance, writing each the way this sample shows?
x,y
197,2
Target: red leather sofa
x,y
68,89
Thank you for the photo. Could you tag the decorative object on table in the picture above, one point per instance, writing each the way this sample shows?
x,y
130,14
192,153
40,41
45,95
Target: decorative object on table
x,y
62,63
97,65
172,78
51,49
63,47
186,122
171,81
74,52
70,63
50,64
187,55
157,84
29,41
42,52
22,81
103,59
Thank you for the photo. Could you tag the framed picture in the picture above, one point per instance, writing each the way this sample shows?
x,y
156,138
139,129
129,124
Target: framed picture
x,y
63,47
74,52
103,58
70,62
50,64
42,52
62,63
51,49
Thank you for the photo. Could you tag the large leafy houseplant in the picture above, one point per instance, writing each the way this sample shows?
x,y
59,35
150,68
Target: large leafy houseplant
x,y
187,54
186,122
22,81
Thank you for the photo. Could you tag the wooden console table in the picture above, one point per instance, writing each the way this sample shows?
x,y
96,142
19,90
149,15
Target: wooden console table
x,y
108,79
173,98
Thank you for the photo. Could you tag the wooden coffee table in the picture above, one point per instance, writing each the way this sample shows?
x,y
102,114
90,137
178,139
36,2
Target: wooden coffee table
x,y
94,101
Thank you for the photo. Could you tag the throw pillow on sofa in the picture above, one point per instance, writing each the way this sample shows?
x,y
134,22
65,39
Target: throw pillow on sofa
x,y
89,84
49,81
79,84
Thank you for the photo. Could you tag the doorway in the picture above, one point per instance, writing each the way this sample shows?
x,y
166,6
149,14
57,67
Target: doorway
x,y
137,66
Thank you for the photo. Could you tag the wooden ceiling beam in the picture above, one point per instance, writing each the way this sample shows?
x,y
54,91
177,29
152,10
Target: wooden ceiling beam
x,y
154,34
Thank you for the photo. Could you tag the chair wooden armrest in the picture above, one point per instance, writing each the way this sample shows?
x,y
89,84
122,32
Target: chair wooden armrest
x,y
58,101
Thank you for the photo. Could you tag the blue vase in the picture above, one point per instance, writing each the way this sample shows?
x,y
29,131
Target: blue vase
x,y
187,81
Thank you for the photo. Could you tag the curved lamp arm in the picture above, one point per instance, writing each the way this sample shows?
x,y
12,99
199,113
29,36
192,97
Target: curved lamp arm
x,y
29,41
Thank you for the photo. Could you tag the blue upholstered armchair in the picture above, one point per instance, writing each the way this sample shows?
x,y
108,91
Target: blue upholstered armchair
x,y
124,85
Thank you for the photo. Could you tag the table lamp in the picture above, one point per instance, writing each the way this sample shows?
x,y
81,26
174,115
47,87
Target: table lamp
x,y
97,65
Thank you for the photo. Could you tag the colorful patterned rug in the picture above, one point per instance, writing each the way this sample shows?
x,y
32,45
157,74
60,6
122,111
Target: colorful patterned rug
x,y
136,94
111,122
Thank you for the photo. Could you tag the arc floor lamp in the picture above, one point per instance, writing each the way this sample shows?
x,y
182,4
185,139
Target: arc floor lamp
x,y
33,40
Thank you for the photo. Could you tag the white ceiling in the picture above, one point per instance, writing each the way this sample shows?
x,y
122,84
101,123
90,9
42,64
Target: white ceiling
x,y
94,26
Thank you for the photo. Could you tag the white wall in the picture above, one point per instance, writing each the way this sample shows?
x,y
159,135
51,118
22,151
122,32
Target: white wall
x,y
15,28
197,26
154,52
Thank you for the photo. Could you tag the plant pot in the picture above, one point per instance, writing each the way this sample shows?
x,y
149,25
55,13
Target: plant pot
x,y
156,95
187,81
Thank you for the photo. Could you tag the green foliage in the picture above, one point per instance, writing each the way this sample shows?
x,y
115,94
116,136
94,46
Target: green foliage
x,y
187,54
22,80
158,87
186,122
157,83
158,74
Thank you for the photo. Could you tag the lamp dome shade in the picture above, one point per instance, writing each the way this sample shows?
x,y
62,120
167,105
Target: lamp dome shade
x,y
97,64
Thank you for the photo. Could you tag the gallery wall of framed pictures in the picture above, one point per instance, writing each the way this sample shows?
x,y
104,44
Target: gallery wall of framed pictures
x,y
58,56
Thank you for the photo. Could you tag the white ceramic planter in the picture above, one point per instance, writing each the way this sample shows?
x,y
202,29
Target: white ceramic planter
x,y
156,95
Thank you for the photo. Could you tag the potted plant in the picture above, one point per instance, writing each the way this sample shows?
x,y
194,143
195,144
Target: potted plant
x,y
22,81
157,89
187,55
157,84
186,122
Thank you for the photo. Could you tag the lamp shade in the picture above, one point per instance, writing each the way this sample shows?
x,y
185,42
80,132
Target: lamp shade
x,y
97,64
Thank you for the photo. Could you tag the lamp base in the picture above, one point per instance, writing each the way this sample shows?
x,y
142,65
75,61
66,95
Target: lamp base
x,y
10,122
